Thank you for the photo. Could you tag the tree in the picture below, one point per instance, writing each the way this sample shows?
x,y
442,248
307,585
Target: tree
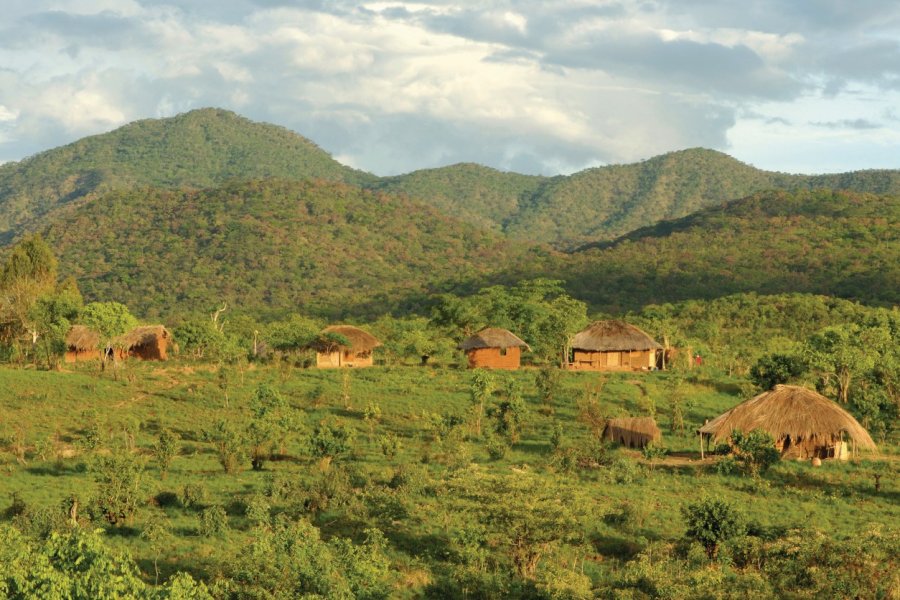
x,y
711,522
481,389
118,476
329,439
773,369
839,354
229,444
547,382
271,421
165,450
30,272
109,319
51,317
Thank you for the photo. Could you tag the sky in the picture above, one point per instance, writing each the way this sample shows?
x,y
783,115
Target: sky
x,y
543,87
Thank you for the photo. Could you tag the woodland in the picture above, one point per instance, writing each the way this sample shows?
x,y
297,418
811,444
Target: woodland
x,y
236,469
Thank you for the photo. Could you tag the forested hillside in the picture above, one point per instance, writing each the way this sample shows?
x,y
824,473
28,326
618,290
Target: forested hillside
x,y
606,202
201,148
835,243
208,147
269,246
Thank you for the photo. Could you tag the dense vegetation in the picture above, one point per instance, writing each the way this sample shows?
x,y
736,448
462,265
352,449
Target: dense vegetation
x,y
201,148
824,242
207,147
268,247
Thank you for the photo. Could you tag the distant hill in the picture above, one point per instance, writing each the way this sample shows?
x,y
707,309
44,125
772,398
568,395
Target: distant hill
x,y
208,147
269,247
606,202
201,148
826,242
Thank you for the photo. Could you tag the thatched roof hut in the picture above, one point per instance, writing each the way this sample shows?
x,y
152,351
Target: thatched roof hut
x,y
492,337
82,339
356,353
493,348
613,335
613,345
634,432
82,343
803,422
149,342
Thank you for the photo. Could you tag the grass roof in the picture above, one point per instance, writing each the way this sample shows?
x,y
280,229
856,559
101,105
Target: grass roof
x,y
492,337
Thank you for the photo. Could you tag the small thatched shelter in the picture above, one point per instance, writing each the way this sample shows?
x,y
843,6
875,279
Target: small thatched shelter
x,y
493,348
613,346
634,432
357,353
82,343
147,342
805,424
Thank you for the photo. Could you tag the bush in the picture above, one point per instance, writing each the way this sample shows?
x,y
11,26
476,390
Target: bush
x,y
193,495
213,521
727,466
497,447
755,450
712,522
773,369
118,478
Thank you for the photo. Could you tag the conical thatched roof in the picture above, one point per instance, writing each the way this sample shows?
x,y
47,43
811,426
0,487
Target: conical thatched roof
x,y
145,334
360,341
635,432
82,338
612,336
790,410
492,337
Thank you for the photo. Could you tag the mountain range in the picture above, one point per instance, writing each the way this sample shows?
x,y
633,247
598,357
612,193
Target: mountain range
x,y
174,215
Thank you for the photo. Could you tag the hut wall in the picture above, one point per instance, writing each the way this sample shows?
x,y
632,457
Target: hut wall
x,y
343,358
494,358
75,356
154,350
634,360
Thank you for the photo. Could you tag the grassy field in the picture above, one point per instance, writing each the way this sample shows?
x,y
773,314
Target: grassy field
x,y
436,485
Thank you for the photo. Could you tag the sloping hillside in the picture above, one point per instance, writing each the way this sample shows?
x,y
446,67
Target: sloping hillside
x,y
201,148
269,246
837,243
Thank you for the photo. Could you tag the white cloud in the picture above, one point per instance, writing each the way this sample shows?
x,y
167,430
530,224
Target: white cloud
x,y
544,86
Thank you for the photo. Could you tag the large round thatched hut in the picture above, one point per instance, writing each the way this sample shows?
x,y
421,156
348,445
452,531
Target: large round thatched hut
x,y
493,348
613,346
82,343
147,342
357,352
805,424
634,432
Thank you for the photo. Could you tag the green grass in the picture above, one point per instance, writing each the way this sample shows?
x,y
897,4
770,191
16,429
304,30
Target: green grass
x,y
838,498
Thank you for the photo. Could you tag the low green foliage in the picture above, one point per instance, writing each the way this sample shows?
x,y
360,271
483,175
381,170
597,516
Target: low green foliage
x,y
712,522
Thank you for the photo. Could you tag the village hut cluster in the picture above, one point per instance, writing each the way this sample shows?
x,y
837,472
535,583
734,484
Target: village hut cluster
x,y
803,423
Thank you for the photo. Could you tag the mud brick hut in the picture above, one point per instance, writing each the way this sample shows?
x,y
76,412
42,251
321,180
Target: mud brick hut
x,y
613,346
493,348
148,342
82,343
344,346
805,424
633,432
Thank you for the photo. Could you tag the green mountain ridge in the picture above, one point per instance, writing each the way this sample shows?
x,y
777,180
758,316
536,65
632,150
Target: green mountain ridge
x,y
208,147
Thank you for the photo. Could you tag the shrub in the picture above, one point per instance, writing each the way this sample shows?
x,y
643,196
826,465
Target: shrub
x,y
193,495
229,444
118,478
329,439
213,521
712,522
164,451
390,445
497,447
755,450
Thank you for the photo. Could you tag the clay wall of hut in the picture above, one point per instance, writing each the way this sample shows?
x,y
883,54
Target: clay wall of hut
x,y
626,360
344,357
495,358
75,356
